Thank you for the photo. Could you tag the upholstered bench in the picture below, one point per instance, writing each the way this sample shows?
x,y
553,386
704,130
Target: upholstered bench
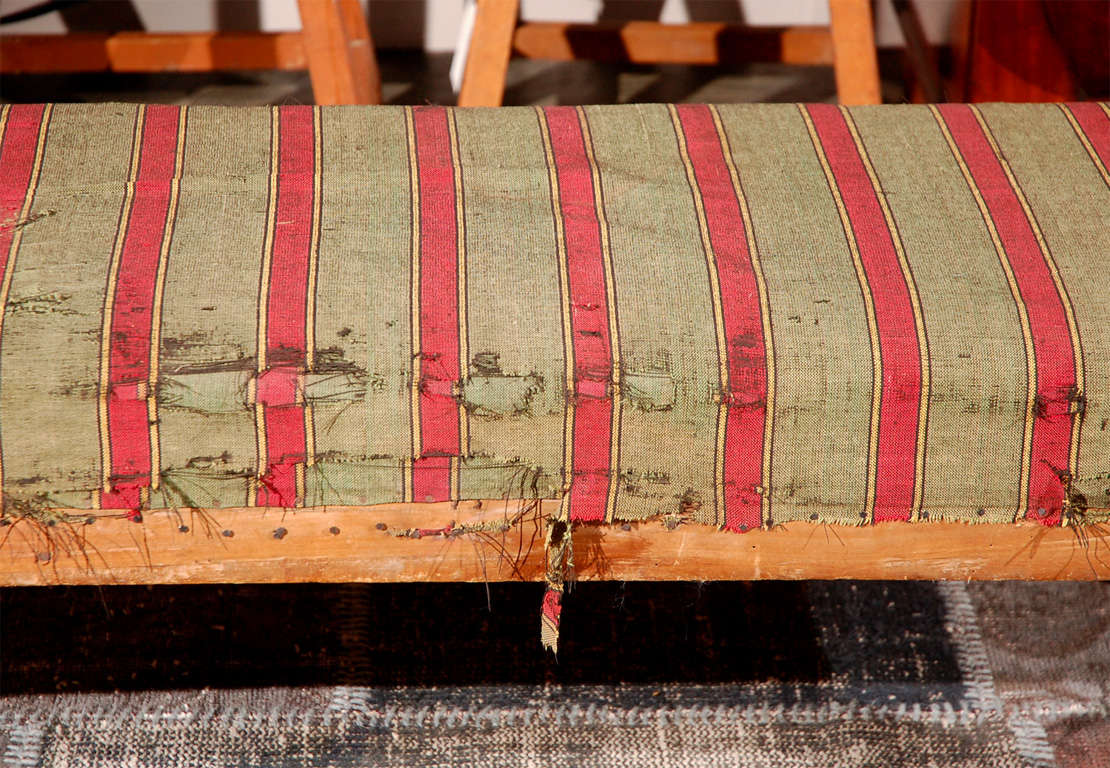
x,y
652,342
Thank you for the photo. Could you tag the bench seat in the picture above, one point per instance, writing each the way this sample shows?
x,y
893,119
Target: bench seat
x,y
635,322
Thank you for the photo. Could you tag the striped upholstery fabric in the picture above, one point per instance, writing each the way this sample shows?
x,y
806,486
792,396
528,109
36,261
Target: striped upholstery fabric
x,y
741,315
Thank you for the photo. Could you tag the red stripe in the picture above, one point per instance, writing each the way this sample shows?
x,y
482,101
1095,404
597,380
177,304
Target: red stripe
x,y
898,344
17,160
286,308
1096,125
592,345
439,309
746,353
132,309
1052,346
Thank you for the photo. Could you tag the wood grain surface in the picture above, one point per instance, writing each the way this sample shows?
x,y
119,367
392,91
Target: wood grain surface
x,y
464,543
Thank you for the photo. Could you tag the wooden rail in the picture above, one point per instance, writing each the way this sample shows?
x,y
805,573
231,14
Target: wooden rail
x,y
634,41
369,544
651,42
151,52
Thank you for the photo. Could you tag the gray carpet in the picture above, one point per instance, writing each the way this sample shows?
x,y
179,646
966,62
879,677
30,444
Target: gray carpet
x,y
824,674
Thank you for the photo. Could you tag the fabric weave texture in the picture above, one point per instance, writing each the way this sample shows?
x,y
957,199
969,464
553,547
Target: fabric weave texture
x,y
743,315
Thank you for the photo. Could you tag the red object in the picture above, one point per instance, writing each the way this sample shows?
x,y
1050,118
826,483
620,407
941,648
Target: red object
x,y
287,307
143,228
591,339
1033,50
440,432
746,359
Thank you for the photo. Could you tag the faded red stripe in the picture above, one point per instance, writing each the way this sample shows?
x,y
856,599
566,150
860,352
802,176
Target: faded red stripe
x,y
17,161
898,344
286,353
133,309
592,345
1052,346
1095,124
439,308
746,353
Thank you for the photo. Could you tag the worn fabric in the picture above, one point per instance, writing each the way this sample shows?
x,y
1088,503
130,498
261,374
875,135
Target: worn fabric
x,y
744,315
823,674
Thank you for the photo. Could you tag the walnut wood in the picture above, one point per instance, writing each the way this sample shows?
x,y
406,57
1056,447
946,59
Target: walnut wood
x,y
114,550
1031,50
650,42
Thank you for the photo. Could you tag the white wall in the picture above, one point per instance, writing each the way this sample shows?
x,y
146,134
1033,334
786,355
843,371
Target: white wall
x,y
434,23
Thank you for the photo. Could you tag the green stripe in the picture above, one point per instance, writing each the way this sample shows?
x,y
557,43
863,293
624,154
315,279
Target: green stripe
x,y
823,358
208,318
669,364
973,446
516,388
52,325
1059,179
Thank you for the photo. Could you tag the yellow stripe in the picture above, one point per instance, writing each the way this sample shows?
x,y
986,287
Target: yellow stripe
x,y
264,301
869,308
17,235
718,320
564,290
406,480
764,311
156,306
268,243
110,300
454,472
310,434
414,299
918,317
1061,291
614,327
460,250
310,297
314,245
4,112
1086,142
1023,315
260,435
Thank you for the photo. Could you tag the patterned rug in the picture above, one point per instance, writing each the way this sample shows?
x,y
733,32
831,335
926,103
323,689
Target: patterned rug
x,y
826,674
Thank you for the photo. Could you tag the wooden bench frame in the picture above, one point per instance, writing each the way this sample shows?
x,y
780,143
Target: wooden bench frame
x,y
504,541
334,45
848,44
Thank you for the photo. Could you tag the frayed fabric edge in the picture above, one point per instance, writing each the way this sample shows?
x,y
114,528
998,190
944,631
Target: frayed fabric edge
x,y
559,548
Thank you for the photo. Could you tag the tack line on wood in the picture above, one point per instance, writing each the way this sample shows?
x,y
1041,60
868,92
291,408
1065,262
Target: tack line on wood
x,y
466,542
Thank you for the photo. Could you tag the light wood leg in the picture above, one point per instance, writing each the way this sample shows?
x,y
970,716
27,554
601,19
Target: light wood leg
x,y
340,52
487,61
855,58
